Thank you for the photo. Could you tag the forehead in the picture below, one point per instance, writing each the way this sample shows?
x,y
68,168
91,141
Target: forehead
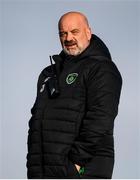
x,y
70,22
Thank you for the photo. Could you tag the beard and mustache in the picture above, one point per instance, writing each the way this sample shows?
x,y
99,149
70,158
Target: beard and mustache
x,y
70,43
71,48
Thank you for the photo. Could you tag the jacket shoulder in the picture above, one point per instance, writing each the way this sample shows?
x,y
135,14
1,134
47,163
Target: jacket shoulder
x,y
43,75
101,68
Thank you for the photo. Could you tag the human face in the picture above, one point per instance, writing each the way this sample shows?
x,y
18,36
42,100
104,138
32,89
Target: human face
x,y
74,35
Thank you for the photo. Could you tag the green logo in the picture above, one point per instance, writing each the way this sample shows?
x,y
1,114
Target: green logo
x,y
71,78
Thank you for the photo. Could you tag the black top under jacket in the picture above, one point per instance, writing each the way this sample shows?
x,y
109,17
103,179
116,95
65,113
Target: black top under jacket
x,y
76,126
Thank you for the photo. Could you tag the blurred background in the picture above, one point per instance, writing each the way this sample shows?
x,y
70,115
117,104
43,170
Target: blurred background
x,y
28,35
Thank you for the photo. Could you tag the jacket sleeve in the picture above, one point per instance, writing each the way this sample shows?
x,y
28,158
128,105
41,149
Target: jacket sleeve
x,y
34,155
94,147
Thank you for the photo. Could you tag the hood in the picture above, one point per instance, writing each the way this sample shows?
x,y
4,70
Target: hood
x,y
97,48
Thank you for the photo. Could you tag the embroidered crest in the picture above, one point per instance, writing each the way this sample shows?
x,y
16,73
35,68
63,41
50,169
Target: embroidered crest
x,y
71,78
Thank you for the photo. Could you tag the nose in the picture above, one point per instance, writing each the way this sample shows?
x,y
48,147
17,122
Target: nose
x,y
69,36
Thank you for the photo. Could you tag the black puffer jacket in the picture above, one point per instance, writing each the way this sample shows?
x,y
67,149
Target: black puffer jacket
x,y
76,127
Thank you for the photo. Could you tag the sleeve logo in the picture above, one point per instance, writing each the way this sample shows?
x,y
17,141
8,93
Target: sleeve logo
x,y
71,78
43,85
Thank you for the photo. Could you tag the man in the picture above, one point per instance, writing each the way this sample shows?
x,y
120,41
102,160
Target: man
x,y
71,128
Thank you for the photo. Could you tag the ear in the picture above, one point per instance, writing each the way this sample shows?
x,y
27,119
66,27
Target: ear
x,y
88,32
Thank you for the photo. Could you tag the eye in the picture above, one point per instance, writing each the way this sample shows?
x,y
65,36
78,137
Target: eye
x,y
62,34
75,31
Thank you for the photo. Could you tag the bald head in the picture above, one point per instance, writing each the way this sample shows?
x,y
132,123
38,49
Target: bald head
x,y
73,15
75,33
